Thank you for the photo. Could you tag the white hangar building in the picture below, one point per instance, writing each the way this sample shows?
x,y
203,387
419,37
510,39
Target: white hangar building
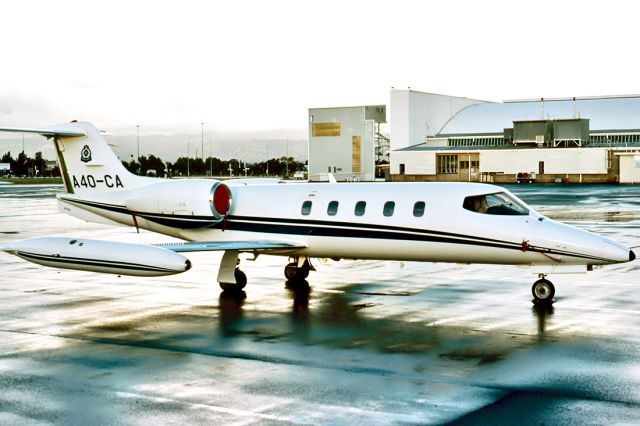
x,y
444,138
447,138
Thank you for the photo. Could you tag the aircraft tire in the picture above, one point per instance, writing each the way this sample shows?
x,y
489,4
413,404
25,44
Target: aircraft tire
x,y
303,272
241,278
291,272
241,282
543,291
294,274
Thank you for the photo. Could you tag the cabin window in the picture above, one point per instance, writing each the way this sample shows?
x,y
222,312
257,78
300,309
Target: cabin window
x,y
306,208
499,203
332,208
360,208
389,206
418,209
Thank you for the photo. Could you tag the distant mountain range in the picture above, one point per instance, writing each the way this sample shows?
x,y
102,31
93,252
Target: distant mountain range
x,y
245,146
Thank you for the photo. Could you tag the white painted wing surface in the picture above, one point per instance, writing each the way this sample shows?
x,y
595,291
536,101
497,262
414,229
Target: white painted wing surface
x,y
8,249
232,245
44,132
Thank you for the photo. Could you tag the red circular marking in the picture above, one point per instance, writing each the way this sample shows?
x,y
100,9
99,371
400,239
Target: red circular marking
x,y
222,199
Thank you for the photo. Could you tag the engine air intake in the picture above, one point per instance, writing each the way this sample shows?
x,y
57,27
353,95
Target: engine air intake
x,y
220,199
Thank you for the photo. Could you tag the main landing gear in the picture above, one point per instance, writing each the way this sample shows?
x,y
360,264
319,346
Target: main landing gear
x,y
297,270
543,291
232,279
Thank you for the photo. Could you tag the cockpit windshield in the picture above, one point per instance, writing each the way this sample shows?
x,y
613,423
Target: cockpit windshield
x,y
498,203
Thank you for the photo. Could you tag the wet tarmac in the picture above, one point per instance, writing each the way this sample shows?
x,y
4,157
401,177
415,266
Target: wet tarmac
x,y
366,343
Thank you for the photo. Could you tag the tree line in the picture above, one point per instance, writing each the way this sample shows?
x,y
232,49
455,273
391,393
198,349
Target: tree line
x,y
27,166
24,165
213,166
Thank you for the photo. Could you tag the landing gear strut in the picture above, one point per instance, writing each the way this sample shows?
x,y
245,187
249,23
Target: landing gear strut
x,y
230,277
543,291
297,270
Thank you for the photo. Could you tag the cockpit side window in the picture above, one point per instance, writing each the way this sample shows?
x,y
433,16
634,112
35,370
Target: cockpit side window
x,y
499,203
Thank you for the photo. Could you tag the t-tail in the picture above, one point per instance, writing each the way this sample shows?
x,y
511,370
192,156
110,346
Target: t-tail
x,y
87,163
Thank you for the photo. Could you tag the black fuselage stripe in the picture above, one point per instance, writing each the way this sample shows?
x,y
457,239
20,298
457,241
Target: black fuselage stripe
x,y
97,263
380,234
366,225
321,228
205,221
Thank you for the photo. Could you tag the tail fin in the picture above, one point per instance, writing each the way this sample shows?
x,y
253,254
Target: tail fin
x,y
87,163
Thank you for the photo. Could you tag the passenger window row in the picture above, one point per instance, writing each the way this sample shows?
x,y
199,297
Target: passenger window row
x,y
361,206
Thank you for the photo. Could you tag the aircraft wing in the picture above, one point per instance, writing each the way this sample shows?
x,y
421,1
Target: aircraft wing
x,y
257,245
8,248
44,132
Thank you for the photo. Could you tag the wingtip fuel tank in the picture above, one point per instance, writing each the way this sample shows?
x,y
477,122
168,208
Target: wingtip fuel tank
x,y
101,256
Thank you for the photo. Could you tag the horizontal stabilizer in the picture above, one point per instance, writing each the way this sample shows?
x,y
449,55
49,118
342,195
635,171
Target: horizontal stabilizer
x,y
44,132
231,245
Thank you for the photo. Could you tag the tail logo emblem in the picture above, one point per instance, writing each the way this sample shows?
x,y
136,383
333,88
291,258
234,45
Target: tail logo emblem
x,y
85,155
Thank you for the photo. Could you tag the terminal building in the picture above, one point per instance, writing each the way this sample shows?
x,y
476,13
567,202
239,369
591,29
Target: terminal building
x,y
446,138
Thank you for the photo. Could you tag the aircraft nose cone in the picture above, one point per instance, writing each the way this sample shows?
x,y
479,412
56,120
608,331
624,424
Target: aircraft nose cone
x,y
632,256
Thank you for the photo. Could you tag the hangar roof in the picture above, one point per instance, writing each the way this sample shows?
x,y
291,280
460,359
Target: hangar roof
x,y
466,149
604,113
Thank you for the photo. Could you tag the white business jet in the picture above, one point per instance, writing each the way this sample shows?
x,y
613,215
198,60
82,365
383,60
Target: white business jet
x,y
432,222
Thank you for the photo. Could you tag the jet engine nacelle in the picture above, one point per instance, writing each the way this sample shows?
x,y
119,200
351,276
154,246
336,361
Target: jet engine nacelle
x,y
101,256
191,197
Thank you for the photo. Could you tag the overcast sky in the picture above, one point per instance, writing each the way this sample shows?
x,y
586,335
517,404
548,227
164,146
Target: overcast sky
x,y
258,65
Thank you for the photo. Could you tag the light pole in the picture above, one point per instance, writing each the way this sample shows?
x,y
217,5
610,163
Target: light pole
x,y
210,155
138,139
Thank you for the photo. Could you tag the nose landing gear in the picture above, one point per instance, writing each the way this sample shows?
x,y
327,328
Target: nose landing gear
x,y
543,291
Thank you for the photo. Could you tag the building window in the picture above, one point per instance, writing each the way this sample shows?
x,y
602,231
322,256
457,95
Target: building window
x,y
401,168
360,208
389,206
477,141
475,164
418,209
325,129
306,208
332,208
448,163
464,164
